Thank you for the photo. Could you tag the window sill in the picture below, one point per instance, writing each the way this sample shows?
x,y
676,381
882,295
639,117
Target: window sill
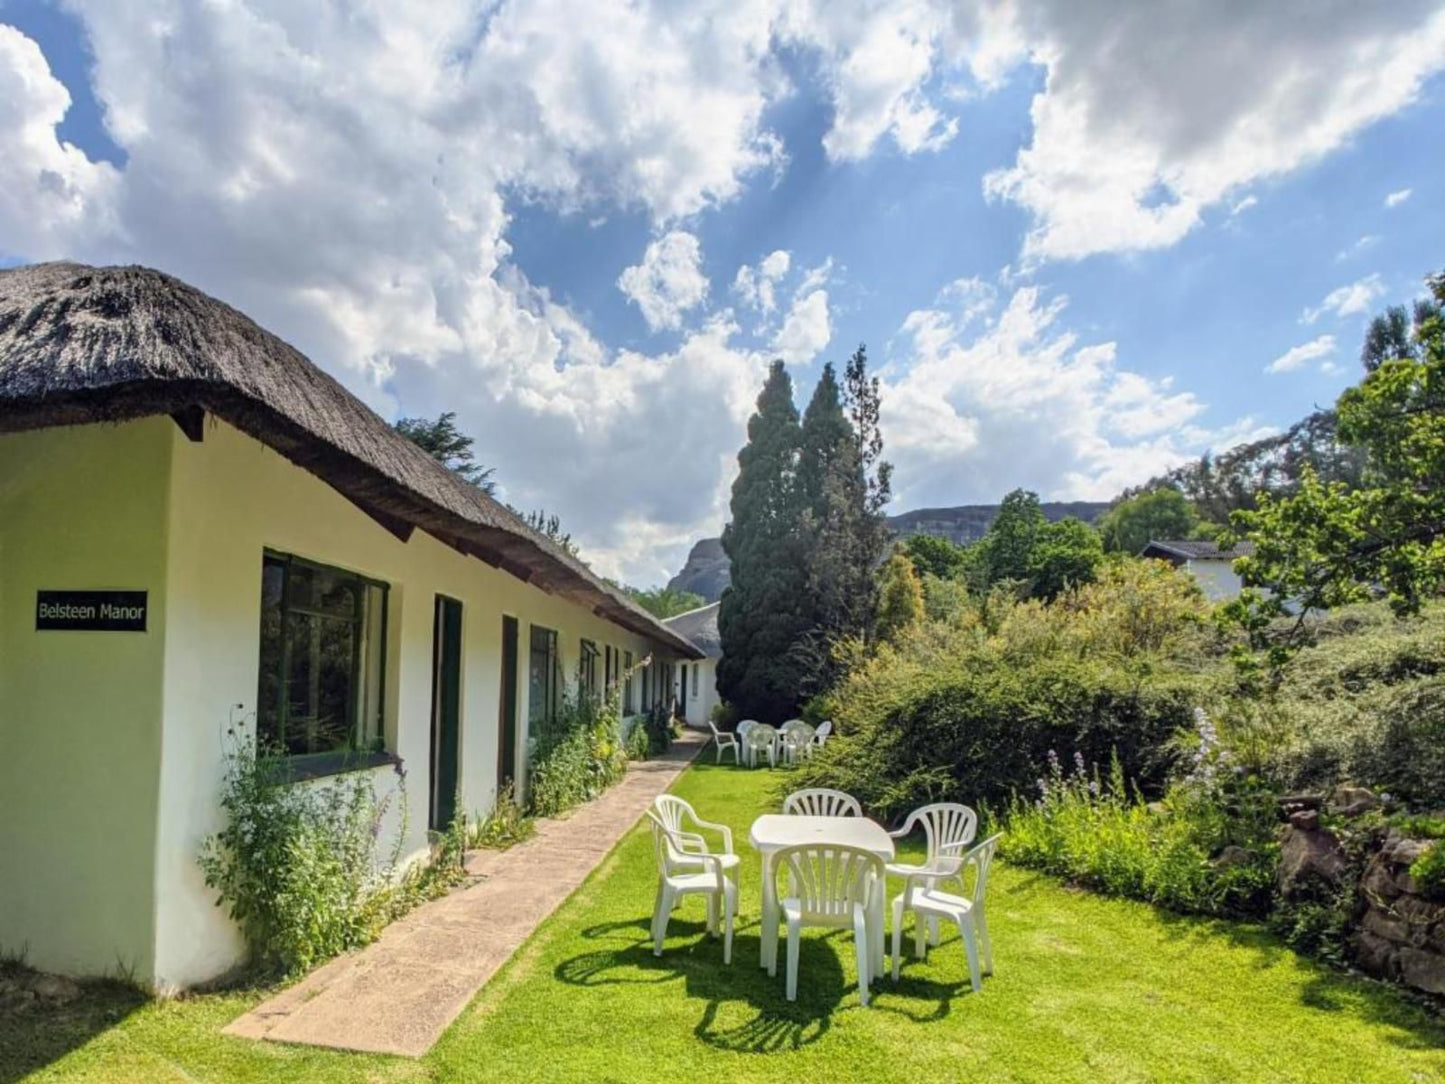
x,y
320,765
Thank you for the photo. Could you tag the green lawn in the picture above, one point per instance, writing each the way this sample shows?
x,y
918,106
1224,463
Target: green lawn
x,y
1086,989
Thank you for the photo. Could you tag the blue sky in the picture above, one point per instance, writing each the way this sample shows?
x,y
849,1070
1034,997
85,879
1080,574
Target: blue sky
x,y
1083,243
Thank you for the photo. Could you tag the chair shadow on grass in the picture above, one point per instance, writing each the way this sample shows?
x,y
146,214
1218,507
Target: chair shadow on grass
x,y
777,1025
34,1034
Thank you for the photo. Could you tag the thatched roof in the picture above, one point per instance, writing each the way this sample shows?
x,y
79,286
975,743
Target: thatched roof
x,y
85,344
1195,550
701,627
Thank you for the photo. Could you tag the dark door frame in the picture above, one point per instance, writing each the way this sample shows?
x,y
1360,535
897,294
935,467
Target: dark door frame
x,y
507,720
446,711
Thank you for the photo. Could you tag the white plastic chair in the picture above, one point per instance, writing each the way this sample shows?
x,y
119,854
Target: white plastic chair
x,y
724,741
966,909
742,733
761,739
678,817
683,873
820,736
948,829
795,738
822,802
830,886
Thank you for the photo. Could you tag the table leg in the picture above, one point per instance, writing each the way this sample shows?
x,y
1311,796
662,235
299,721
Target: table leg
x,y
767,925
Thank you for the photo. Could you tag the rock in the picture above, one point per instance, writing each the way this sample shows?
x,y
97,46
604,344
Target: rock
x,y
1233,856
1379,883
1306,820
1352,801
1305,855
1292,802
1404,851
1423,970
55,987
1376,956
1387,927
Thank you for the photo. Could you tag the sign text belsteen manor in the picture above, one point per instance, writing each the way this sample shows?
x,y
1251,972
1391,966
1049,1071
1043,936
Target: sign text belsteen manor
x,y
91,611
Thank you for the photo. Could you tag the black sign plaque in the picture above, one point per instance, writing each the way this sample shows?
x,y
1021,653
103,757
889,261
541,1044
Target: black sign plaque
x,y
90,611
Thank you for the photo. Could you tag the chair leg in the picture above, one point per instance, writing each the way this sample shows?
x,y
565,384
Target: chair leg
x,y
933,921
727,929
656,911
659,922
970,946
863,946
792,979
981,921
897,937
712,914
920,936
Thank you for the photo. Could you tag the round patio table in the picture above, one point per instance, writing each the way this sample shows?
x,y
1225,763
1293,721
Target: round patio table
x,y
773,831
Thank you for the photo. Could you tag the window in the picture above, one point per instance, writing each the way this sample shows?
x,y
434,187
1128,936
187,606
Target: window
x,y
627,683
611,673
646,688
587,667
542,669
694,679
323,652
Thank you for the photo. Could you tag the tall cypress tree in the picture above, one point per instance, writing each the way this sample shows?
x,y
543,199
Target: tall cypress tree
x,y
765,611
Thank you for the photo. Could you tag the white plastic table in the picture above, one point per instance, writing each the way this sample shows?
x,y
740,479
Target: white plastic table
x,y
773,831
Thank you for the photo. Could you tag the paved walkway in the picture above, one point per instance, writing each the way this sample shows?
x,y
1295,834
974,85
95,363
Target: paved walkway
x,y
398,995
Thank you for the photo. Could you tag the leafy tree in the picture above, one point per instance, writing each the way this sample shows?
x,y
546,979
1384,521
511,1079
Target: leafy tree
x,y
444,442
936,556
1067,554
664,602
1135,521
1329,544
900,601
1394,336
766,609
1006,550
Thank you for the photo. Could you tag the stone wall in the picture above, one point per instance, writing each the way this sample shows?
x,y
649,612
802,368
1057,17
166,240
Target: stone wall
x,y
1401,935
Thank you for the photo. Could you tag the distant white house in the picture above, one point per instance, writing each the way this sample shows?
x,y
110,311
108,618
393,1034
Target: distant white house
x,y
1211,567
696,686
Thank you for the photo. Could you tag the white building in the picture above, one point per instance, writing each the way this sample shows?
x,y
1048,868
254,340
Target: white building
x,y
1211,567
696,688
200,531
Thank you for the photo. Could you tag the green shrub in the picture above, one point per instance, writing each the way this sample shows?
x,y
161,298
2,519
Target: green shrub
x,y
639,741
1096,832
298,865
659,727
1429,872
577,755
507,824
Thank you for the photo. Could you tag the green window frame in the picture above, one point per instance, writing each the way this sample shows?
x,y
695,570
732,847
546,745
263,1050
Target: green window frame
x,y
543,668
587,667
322,675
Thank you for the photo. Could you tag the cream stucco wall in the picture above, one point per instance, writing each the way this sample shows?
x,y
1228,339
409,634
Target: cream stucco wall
x,y
80,712
701,694
1217,579
229,499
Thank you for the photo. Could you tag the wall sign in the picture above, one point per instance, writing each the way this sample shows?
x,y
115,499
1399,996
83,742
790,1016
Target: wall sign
x,y
90,611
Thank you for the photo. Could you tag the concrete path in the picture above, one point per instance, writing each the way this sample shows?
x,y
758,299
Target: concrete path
x,y
397,995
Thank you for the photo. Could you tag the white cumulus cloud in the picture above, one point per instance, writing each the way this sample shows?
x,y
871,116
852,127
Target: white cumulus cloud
x,y
1348,300
1394,199
806,330
1297,357
669,280
756,286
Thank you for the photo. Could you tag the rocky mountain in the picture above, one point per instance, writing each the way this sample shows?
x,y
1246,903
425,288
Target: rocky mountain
x,y
706,570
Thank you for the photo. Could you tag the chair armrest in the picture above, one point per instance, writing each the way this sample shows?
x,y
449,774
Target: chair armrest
x,y
685,840
713,863
721,829
907,826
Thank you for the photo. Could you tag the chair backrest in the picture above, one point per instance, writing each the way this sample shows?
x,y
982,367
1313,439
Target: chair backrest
x,y
826,879
822,802
670,856
744,726
670,810
713,727
796,732
980,858
760,736
824,729
949,829
791,724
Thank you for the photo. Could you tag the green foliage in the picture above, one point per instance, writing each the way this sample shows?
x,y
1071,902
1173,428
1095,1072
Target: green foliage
x,y
1330,544
664,602
944,600
1044,559
638,742
578,754
1429,872
1134,522
297,865
1006,550
1396,334
550,527
446,444
934,556
1096,832
506,825
658,725
766,609
900,603
1068,554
